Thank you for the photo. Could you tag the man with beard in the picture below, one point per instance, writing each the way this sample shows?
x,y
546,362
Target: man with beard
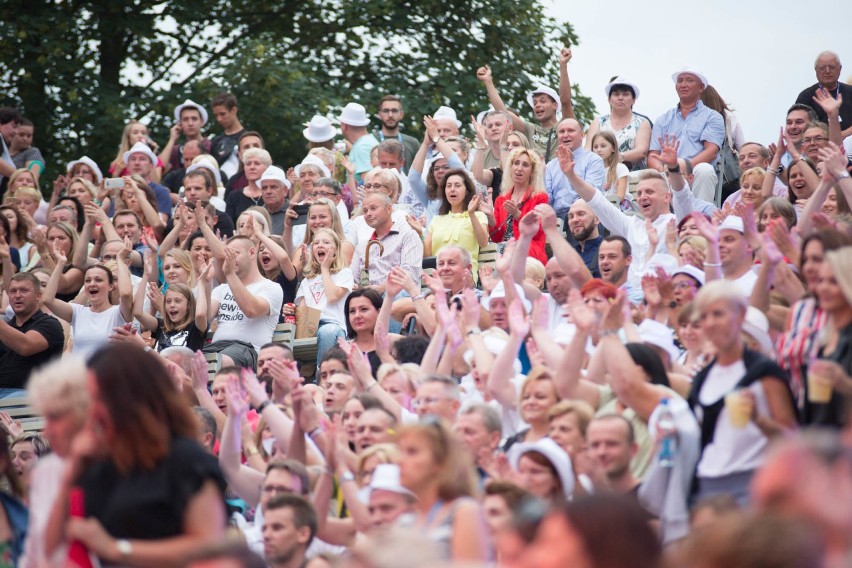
x,y
390,115
584,235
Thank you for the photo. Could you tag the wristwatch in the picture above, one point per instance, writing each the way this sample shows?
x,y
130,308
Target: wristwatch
x,y
347,476
124,547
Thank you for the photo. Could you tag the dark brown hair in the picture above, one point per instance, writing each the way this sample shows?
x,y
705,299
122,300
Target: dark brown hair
x,y
470,190
146,410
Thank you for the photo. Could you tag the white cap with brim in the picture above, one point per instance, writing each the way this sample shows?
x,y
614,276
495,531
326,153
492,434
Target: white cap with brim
x,y
659,335
89,162
274,173
481,115
733,223
140,148
660,260
690,71
190,104
448,113
319,129
541,89
560,460
354,115
385,478
695,273
311,160
500,292
757,326
621,81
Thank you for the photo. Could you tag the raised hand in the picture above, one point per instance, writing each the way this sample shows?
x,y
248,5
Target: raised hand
x,y
256,391
504,262
617,312
529,224
547,216
5,250
126,249
414,224
474,203
668,150
780,146
706,229
394,283
58,255
236,396
328,261
511,208
540,317
155,296
582,316
566,160
484,74
149,265
519,324
431,127
671,236
653,235
470,309
198,368
434,283
829,104
834,160
651,290
479,131
230,261
486,205
565,56
10,425
206,272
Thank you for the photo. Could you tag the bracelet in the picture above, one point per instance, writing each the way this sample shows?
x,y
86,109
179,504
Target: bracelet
x,y
713,264
251,451
316,431
674,170
480,148
608,332
262,406
472,331
844,175
420,296
373,384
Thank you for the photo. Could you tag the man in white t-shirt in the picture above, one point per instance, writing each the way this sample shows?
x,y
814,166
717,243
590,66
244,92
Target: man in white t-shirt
x,y
246,306
729,253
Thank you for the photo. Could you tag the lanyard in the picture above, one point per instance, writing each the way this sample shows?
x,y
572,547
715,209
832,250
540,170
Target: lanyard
x,y
382,136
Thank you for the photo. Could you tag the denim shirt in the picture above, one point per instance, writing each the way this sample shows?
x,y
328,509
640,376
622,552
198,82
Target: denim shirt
x,y
587,165
702,124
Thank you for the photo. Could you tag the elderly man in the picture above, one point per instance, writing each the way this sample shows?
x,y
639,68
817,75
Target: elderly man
x,y
353,124
546,105
29,339
437,396
390,245
479,429
828,67
387,499
729,254
653,198
588,166
698,129
275,188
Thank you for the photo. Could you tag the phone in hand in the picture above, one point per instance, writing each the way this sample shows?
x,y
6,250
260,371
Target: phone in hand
x,y
113,183
302,210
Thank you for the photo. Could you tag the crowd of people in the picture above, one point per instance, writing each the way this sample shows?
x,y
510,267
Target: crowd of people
x,y
538,342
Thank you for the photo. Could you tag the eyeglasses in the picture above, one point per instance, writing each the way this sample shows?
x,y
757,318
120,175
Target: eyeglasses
x,y
369,186
826,67
390,111
427,401
440,168
683,285
816,140
324,194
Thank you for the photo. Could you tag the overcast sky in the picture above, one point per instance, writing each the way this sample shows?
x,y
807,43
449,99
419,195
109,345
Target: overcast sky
x,y
758,54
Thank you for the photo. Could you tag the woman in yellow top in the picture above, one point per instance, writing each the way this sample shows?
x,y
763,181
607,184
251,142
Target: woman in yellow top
x,y
461,220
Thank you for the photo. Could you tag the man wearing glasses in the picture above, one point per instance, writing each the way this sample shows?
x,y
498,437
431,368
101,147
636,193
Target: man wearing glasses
x,y
390,115
827,68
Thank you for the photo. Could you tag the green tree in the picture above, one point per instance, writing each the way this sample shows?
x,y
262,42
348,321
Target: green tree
x,y
80,69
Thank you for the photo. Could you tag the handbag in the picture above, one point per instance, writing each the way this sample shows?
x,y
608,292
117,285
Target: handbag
x,y
727,167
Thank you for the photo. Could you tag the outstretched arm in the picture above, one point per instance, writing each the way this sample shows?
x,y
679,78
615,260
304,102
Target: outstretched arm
x,y
484,75
565,84
568,258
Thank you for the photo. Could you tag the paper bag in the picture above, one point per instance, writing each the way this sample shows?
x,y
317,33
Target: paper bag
x,y
307,321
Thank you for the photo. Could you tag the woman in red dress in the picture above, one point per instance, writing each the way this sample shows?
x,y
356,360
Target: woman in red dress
x,y
522,189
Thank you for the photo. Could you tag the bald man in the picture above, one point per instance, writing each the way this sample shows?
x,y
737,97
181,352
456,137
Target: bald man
x,y
827,68
587,165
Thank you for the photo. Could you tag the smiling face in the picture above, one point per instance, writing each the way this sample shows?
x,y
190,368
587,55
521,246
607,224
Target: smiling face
x,y
813,139
797,121
798,184
612,262
97,285
569,133
829,207
175,305
652,196
691,336
536,398
544,107
733,248
581,220
320,217
254,168
451,269
751,157
752,191
174,272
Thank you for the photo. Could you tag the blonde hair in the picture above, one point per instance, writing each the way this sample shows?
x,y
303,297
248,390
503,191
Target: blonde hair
x,y
313,267
90,187
61,384
536,374
260,215
536,172
611,163
456,474
184,259
189,319
410,372
759,173
386,453
17,173
389,178
22,192
579,408
840,261
336,223
125,141
259,153
720,290
535,269
697,242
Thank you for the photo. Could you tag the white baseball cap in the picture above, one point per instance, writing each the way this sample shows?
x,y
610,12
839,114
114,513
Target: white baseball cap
x,y
446,112
500,292
385,478
190,104
695,273
275,173
733,223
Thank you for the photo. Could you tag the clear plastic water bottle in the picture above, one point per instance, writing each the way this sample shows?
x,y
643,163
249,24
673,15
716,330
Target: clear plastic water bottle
x,y
666,428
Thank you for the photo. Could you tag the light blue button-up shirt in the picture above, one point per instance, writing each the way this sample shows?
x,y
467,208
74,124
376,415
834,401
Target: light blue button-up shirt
x,y
702,124
588,165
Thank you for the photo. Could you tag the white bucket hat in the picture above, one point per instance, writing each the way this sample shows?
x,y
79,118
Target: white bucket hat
x,y
691,71
189,104
542,89
311,160
622,81
354,115
659,335
555,455
446,112
89,162
319,129
140,148
500,292
695,273
385,478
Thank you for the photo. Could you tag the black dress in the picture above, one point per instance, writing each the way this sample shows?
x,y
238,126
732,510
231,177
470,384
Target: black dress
x,y
833,413
149,505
